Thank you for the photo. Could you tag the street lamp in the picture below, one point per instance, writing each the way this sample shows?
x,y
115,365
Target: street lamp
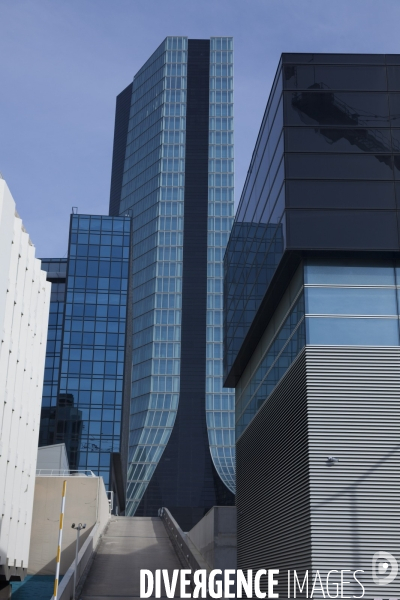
x,y
78,528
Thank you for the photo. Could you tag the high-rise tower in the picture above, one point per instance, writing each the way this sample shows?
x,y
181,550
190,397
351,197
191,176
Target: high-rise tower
x,y
173,173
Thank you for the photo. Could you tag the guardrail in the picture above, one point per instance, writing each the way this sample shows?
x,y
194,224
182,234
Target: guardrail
x,y
66,586
187,552
64,473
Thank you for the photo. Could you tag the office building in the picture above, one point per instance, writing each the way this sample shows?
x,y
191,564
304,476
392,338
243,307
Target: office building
x,y
56,273
312,343
173,172
88,348
24,311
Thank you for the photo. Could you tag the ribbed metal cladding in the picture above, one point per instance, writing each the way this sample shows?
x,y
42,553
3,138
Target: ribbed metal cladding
x,y
297,510
272,494
354,415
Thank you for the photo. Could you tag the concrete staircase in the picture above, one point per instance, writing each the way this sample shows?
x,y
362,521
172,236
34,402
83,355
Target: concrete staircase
x,y
128,545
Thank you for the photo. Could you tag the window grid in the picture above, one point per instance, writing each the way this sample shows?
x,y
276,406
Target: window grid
x,y
220,402
56,273
89,402
156,347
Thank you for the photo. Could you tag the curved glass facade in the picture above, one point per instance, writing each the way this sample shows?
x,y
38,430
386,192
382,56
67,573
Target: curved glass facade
x,y
220,402
153,190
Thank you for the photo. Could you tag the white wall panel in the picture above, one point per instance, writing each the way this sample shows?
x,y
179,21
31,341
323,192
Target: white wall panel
x,y
24,312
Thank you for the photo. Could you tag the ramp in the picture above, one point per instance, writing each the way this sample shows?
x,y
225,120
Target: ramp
x,y
129,544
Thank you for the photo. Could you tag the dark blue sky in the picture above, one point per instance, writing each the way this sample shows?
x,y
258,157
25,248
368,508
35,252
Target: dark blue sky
x,y
62,62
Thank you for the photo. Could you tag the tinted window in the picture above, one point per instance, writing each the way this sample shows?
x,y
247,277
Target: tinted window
x,y
342,229
337,139
352,332
351,301
392,59
395,133
349,109
393,78
338,166
268,152
396,162
394,104
334,77
264,180
340,194
336,59
349,272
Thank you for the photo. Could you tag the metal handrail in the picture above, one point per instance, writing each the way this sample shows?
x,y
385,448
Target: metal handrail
x,y
64,473
184,547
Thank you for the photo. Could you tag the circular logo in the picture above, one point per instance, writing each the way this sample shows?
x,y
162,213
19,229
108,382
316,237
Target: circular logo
x,y
384,568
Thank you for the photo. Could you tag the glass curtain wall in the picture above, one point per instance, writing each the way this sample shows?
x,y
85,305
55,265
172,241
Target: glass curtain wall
x,y
257,242
220,402
352,303
153,192
89,401
56,273
283,339
347,302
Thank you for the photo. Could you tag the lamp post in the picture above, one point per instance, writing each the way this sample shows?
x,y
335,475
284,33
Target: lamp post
x,y
78,528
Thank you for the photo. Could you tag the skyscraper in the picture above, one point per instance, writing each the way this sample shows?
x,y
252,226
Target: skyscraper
x,y
173,173
87,347
312,323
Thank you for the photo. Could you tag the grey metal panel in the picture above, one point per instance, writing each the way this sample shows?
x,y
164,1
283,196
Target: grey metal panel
x,y
354,415
272,482
295,509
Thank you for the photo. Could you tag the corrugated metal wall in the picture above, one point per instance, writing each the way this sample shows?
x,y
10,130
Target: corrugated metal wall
x,y
272,495
354,415
298,511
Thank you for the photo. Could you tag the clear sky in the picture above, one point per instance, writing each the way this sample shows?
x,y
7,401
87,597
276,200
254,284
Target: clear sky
x,y
62,63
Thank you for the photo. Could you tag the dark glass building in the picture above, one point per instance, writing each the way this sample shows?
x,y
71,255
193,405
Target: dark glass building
x,y
56,269
87,349
312,347
173,172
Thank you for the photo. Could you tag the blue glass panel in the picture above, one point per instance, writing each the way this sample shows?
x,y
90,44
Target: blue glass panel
x,y
88,373
352,331
156,130
56,273
351,301
277,357
220,424
350,273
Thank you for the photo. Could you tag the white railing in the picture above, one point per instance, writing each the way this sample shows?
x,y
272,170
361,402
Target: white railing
x,y
64,473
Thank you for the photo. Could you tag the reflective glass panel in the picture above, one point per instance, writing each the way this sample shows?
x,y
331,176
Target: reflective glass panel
x,y
220,401
350,272
337,77
352,331
351,301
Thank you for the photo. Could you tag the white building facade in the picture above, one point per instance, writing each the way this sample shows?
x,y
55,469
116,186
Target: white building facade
x,y
24,314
